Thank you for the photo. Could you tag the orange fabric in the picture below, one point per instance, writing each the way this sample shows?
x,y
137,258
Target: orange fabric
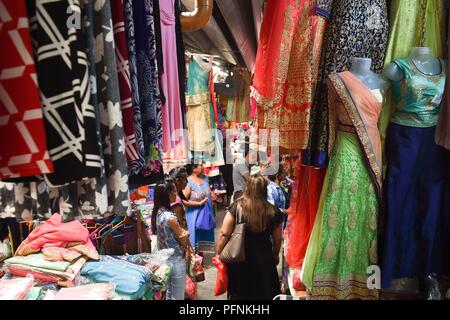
x,y
302,213
369,110
286,69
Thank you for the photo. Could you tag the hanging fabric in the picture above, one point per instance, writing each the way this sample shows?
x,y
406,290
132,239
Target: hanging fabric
x,y
173,127
124,77
65,93
21,120
205,143
282,84
443,128
355,29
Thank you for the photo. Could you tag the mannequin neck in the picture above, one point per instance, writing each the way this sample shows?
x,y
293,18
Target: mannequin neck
x,y
361,66
421,54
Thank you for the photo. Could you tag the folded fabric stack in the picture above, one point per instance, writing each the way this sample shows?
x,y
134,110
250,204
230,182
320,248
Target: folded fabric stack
x,y
15,289
54,252
35,293
131,280
157,263
98,291
63,273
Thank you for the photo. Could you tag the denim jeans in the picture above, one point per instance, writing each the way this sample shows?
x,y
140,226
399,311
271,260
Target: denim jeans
x,y
177,281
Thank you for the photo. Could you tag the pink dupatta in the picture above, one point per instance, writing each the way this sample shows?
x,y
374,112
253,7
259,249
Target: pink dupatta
x,y
364,110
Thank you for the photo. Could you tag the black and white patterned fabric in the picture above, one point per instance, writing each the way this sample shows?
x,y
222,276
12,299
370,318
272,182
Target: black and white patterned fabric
x,y
65,92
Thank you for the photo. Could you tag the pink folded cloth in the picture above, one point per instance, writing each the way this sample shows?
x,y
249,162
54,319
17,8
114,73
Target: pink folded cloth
x,y
55,234
98,291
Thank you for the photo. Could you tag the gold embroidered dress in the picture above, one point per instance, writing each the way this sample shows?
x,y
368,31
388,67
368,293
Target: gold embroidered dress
x,y
286,63
344,238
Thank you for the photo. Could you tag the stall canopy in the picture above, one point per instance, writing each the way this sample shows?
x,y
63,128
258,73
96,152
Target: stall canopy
x,y
230,34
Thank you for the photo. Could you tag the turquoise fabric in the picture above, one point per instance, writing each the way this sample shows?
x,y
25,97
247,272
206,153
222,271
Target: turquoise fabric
x,y
197,79
418,96
131,280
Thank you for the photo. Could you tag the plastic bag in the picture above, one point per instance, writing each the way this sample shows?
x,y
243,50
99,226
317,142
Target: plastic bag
x,y
297,282
16,289
194,266
433,292
222,277
191,289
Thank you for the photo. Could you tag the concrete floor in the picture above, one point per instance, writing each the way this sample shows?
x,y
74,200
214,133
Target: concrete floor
x,y
205,289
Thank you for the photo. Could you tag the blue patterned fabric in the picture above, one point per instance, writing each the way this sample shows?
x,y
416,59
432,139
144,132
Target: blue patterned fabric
x,y
355,29
147,76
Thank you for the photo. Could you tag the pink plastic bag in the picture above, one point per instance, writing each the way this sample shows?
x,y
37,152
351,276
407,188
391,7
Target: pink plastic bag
x,y
222,277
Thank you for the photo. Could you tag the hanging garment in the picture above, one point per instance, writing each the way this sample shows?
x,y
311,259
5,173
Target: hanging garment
x,y
205,141
150,100
124,77
443,127
115,178
182,72
136,100
24,153
173,128
70,118
107,194
283,79
356,29
343,243
302,213
413,24
416,182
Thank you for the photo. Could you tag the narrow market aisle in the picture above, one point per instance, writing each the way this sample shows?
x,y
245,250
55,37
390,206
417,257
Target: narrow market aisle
x,y
205,289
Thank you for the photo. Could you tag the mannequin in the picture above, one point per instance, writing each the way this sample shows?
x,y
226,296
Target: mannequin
x,y
422,59
205,65
361,69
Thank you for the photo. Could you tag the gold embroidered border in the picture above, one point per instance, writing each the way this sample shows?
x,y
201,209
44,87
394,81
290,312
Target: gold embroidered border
x,y
198,99
342,288
353,113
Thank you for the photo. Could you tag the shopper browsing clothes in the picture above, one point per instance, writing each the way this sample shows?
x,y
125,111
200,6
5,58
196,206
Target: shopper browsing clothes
x,y
180,177
256,277
170,235
200,219
241,172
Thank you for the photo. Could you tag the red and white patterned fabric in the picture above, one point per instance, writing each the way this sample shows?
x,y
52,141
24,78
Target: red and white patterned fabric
x,y
23,149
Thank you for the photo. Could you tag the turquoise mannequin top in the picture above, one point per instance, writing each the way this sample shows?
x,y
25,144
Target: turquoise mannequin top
x,y
418,96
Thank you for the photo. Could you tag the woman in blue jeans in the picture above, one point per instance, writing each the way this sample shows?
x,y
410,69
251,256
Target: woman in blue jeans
x,y
170,236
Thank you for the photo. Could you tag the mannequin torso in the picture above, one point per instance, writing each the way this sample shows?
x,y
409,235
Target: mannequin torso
x,y
361,69
423,61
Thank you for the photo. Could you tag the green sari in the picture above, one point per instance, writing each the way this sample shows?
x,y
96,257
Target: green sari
x,y
343,243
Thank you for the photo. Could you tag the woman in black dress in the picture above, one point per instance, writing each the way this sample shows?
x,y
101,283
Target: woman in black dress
x,y
256,278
